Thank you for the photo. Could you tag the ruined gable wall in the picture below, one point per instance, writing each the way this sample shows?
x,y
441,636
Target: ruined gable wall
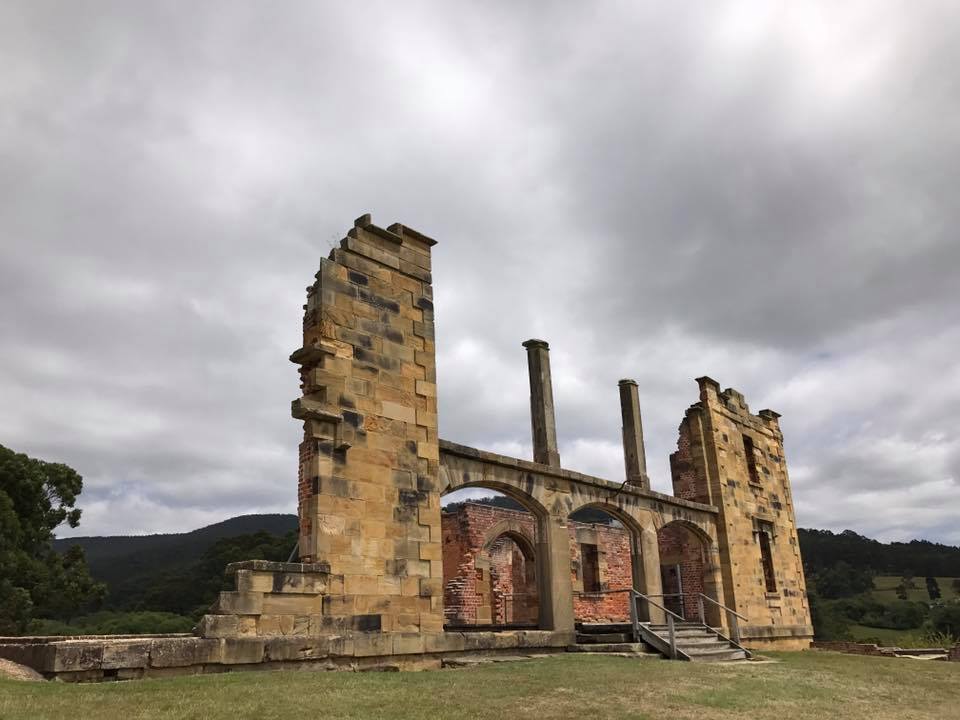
x,y
711,437
368,504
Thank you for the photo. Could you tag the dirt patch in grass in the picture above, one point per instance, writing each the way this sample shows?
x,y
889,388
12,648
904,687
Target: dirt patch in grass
x,y
13,671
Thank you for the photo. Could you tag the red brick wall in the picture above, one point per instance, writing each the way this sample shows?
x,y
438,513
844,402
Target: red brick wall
x,y
308,450
686,484
464,594
511,579
679,546
613,545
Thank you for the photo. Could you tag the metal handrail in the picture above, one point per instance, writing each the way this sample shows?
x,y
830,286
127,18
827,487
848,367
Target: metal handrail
x,y
732,615
724,607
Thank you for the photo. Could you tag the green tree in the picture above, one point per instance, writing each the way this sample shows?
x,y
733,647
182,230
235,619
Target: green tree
x,y
933,588
902,591
36,497
842,580
946,620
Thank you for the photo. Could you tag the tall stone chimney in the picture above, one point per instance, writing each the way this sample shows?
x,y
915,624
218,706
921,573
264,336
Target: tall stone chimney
x,y
542,419
634,456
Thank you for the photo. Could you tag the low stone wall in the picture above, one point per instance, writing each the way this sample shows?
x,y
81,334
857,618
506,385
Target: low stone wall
x,y
98,658
954,653
854,648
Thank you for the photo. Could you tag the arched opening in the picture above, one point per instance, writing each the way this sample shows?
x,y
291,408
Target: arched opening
x,y
686,573
604,564
490,561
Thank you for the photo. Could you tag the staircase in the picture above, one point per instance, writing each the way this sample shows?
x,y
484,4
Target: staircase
x,y
677,639
694,642
611,639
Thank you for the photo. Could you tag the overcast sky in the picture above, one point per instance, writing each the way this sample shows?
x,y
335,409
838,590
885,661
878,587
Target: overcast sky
x,y
764,193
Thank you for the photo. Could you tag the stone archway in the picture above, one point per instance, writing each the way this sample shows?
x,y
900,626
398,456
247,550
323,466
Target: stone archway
x,y
506,577
689,567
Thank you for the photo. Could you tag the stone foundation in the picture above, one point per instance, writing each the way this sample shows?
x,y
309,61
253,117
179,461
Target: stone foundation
x,y
92,659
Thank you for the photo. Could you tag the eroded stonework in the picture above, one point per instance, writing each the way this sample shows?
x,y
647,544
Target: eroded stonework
x,y
370,588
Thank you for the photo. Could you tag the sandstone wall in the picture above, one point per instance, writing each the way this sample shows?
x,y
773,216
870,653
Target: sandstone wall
x,y
368,504
733,459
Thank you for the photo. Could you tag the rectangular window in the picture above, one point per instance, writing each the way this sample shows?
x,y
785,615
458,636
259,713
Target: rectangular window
x,y
751,459
766,557
590,563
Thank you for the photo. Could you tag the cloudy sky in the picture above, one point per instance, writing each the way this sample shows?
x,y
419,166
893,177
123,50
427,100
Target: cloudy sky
x,y
762,192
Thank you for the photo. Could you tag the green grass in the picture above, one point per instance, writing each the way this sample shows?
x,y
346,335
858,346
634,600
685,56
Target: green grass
x,y
802,686
885,588
887,637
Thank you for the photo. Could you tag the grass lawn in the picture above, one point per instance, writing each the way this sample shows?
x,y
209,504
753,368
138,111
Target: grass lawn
x,y
800,686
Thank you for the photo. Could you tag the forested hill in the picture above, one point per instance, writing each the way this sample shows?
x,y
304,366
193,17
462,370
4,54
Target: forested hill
x,y
115,558
823,549
122,560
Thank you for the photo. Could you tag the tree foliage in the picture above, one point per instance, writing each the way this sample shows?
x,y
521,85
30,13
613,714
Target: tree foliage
x,y
36,497
933,588
823,548
841,580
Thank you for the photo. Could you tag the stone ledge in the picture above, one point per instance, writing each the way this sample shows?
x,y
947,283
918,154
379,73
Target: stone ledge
x,y
282,567
98,658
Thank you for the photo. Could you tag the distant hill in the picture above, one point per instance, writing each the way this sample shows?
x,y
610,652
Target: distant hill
x,y
122,559
822,549
128,563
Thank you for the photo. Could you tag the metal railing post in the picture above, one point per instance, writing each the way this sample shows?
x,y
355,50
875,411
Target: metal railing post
x,y
672,633
734,627
703,620
634,620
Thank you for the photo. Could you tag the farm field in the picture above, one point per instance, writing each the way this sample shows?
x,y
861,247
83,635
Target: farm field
x,y
885,588
796,686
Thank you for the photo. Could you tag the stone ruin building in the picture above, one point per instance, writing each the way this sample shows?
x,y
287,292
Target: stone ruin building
x,y
385,578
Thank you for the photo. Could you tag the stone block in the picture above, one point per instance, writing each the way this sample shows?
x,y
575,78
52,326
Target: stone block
x,y
396,411
125,654
427,389
292,604
407,643
444,642
250,581
182,652
309,648
240,603
273,625
241,651
218,626
431,587
367,644
77,656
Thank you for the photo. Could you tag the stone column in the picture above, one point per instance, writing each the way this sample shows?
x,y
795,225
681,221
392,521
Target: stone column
x,y
369,507
542,419
713,587
650,555
634,455
555,585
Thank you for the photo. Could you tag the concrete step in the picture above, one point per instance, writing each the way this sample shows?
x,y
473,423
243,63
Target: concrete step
x,y
679,627
604,638
685,632
639,649
720,655
701,640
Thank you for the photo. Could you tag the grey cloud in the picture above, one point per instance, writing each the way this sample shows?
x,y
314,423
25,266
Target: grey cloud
x,y
762,196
